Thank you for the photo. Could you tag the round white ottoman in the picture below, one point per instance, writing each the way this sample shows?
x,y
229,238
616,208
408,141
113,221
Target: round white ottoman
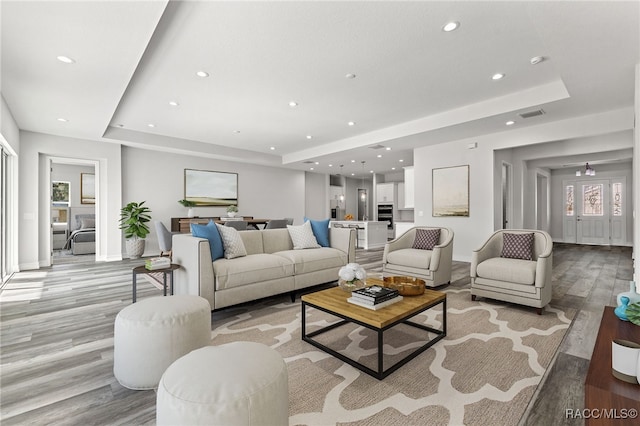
x,y
151,334
240,383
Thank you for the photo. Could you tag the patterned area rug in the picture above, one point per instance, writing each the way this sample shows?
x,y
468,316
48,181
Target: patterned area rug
x,y
484,372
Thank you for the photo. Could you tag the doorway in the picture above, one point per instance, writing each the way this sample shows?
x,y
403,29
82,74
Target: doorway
x,y
506,183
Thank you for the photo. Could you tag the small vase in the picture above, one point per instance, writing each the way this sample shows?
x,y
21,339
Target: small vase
x,y
351,285
631,294
232,214
621,310
190,213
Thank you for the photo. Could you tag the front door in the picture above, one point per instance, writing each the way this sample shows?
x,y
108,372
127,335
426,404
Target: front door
x,y
592,212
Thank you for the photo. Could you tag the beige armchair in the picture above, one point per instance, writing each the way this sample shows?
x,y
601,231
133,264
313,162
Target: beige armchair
x,y
433,266
526,282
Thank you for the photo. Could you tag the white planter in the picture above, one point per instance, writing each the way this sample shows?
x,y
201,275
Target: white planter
x,y
190,212
135,247
232,214
624,360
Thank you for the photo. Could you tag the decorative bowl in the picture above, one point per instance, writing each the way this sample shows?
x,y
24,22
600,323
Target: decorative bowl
x,y
406,286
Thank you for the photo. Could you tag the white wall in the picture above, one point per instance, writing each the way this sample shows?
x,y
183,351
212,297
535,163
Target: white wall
x,y
472,231
158,178
316,196
10,140
8,127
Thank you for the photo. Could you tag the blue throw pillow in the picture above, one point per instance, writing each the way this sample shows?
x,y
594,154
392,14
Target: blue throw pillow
x,y
211,233
320,230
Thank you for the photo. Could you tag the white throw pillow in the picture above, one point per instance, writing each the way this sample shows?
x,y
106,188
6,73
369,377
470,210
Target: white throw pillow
x,y
232,242
302,236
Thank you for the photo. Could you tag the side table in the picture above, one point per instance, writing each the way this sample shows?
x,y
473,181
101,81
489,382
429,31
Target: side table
x,y
142,270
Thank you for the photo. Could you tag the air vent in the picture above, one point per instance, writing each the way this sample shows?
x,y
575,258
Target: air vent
x,y
377,146
532,113
307,162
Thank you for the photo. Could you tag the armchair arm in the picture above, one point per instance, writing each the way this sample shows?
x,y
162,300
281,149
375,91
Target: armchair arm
x,y
442,253
491,248
196,273
344,239
403,241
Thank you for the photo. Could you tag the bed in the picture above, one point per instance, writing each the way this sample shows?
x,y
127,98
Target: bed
x,y
82,239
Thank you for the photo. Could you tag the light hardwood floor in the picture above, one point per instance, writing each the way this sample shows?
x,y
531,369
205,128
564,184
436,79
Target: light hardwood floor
x,y
56,337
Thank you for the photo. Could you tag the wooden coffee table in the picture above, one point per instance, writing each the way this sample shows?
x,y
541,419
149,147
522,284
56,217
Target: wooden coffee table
x,y
334,302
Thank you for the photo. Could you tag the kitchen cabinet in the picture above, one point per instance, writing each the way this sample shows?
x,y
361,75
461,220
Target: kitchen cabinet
x,y
409,185
386,192
401,196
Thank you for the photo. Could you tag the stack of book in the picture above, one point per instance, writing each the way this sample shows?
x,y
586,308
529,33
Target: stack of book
x,y
157,263
374,297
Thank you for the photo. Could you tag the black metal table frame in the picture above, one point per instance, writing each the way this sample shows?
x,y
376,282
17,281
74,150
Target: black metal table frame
x,y
381,373
164,271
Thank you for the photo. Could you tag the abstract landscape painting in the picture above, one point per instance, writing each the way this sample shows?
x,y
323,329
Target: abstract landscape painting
x,y
451,191
206,188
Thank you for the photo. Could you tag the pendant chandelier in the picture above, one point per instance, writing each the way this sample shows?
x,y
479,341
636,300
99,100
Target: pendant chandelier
x,y
363,195
588,171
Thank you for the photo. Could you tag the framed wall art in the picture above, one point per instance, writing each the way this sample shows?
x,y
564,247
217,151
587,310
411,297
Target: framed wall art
x,y
87,188
60,193
207,188
450,191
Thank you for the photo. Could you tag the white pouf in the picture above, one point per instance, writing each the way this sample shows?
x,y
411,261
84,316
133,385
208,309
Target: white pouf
x,y
240,383
151,334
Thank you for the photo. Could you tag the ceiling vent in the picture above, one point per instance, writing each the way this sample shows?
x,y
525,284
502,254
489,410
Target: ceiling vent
x,y
532,113
377,146
307,162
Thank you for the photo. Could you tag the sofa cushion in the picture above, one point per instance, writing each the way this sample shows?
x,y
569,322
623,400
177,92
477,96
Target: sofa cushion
x,y
250,269
415,258
426,239
233,245
211,233
312,260
320,230
509,270
517,246
275,240
302,236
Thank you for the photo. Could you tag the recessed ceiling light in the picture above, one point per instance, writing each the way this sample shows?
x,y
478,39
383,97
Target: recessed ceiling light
x,y
393,168
272,148
498,76
510,123
293,104
451,26
330,165
316,163
353,161
379,155
351,123
66,59
151,125
236,131
310,168
63,120
173,103
370,171
353,174
309,136
202,74
401,160
388,148
350,76
536,60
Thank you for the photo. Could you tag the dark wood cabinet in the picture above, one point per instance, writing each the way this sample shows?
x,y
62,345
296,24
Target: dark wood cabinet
x,y
183,224
602,390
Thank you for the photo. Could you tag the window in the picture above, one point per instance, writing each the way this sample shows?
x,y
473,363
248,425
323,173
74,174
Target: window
x,y
569,207
592,200
616,190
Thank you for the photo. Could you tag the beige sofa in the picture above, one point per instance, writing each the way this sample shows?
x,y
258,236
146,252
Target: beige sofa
x,y
526,282
433,266
271,266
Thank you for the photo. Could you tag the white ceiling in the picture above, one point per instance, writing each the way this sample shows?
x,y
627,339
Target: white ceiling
x,y
415,84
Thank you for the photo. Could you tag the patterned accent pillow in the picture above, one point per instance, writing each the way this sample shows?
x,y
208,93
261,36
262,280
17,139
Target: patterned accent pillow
x,y
232,242
517,246
302,236
426,239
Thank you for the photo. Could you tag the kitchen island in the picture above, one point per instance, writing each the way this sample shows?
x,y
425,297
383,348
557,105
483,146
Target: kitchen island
x,y
371,233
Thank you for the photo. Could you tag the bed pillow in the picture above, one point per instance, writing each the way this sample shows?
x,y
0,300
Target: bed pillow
x,y
426,239
302,236
210,232
88,224
320,230
232,242
517,246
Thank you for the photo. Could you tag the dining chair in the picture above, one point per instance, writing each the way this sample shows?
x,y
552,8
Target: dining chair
x,y
276,223
240,225
289,220
164,238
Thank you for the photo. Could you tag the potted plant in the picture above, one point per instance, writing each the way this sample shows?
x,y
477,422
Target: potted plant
x,y
133,219
188,204
232,210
